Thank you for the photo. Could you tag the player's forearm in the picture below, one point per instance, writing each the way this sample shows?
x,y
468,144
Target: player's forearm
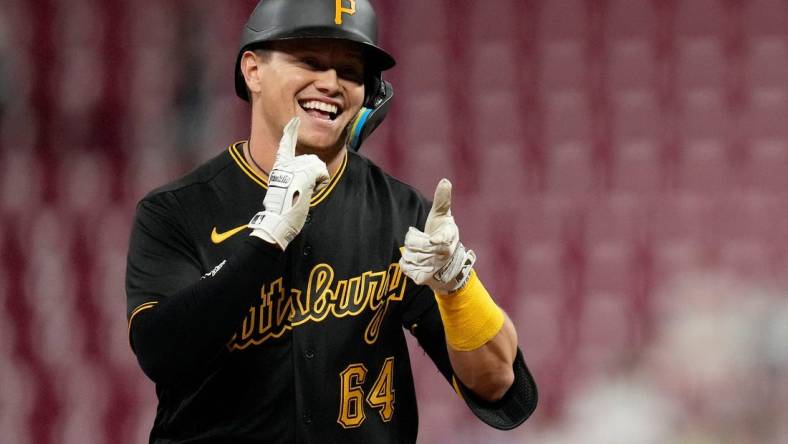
x,y
187,331
488,370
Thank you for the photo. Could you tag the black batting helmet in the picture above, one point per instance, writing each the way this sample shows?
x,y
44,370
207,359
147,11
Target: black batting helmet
x,y
352,20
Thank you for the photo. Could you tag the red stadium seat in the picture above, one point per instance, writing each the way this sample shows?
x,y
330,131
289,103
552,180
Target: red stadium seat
x,y
767,163
765,116
426,23
562,67
704,160
149,168
675,259
679,216
20,182
562,20
501,179
747,216
542,270
567,121
84,402
545,218
425,163
631,65
700,18
494,67
571,170
638,167
765,17
705,167
680,235
569,164
631,20
637,127
700,65
605,333
767,67
749,260
54,350
17,399
425,118
537,319
423,69
616,216
505,14
85,183
497,119
610,268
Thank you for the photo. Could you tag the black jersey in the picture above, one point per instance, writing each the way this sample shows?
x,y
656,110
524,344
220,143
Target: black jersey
x,y
316,352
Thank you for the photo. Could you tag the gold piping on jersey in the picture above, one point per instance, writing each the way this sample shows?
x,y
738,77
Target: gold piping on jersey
x,y
140,308
321,196
239,159
245,167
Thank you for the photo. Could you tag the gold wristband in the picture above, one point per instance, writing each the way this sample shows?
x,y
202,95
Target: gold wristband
x,y
470,316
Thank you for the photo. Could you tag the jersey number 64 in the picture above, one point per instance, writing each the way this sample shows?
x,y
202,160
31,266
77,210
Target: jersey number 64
x,y
381,396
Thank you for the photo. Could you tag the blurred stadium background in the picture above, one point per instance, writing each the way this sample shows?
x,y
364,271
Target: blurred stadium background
x,y
621,167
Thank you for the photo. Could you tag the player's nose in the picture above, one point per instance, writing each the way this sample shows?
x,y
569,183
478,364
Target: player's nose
x,y
327,81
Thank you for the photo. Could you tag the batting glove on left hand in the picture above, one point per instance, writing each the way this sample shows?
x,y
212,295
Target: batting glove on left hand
x,y
292,182
435,256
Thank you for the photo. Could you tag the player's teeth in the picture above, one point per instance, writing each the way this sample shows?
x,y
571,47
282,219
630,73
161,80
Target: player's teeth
x,y
326,107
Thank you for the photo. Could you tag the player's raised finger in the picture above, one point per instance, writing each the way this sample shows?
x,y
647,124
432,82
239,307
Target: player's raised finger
x,y
441,205
287,143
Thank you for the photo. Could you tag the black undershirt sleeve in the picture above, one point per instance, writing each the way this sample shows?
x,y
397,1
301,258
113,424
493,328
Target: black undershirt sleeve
x,y
182,336
423,320
185,334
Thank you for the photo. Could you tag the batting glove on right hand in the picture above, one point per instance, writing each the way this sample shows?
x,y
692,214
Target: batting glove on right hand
x,y
435,256
291,184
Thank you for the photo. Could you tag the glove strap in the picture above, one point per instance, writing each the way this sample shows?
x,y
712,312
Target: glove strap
x,y
272,228
454,275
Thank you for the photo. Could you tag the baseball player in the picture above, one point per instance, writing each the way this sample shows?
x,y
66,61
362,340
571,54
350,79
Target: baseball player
x,y
268,289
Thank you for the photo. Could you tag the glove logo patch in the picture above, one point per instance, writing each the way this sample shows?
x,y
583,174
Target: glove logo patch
x,y
280,179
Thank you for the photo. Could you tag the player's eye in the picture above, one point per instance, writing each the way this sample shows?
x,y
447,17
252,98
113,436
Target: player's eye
x,y
312,63
351,73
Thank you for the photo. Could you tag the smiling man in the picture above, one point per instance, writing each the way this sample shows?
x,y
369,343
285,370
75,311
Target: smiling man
x,y
268,290
321,81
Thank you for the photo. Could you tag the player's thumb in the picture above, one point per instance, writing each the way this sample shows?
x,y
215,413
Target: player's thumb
x,y
287,143
441,203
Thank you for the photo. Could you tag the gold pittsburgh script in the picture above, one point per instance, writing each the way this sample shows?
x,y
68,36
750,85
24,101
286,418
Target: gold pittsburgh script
x,y
280,311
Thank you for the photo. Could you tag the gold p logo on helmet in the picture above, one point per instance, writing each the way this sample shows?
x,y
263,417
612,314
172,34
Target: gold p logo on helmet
x,y
340,9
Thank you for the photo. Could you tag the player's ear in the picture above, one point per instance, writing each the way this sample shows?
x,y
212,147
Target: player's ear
x,y
251,70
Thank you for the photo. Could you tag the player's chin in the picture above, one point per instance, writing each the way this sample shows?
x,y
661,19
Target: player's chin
x,y
322,144
323,137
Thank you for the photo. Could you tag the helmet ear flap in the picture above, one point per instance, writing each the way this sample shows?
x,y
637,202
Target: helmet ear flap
x,y
374,91
376,106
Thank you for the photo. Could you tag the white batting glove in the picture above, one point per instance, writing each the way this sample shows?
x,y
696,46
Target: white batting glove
x,y
435,256
291,184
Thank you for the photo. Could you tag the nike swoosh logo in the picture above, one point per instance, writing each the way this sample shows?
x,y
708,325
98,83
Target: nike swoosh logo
x,y
218,238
